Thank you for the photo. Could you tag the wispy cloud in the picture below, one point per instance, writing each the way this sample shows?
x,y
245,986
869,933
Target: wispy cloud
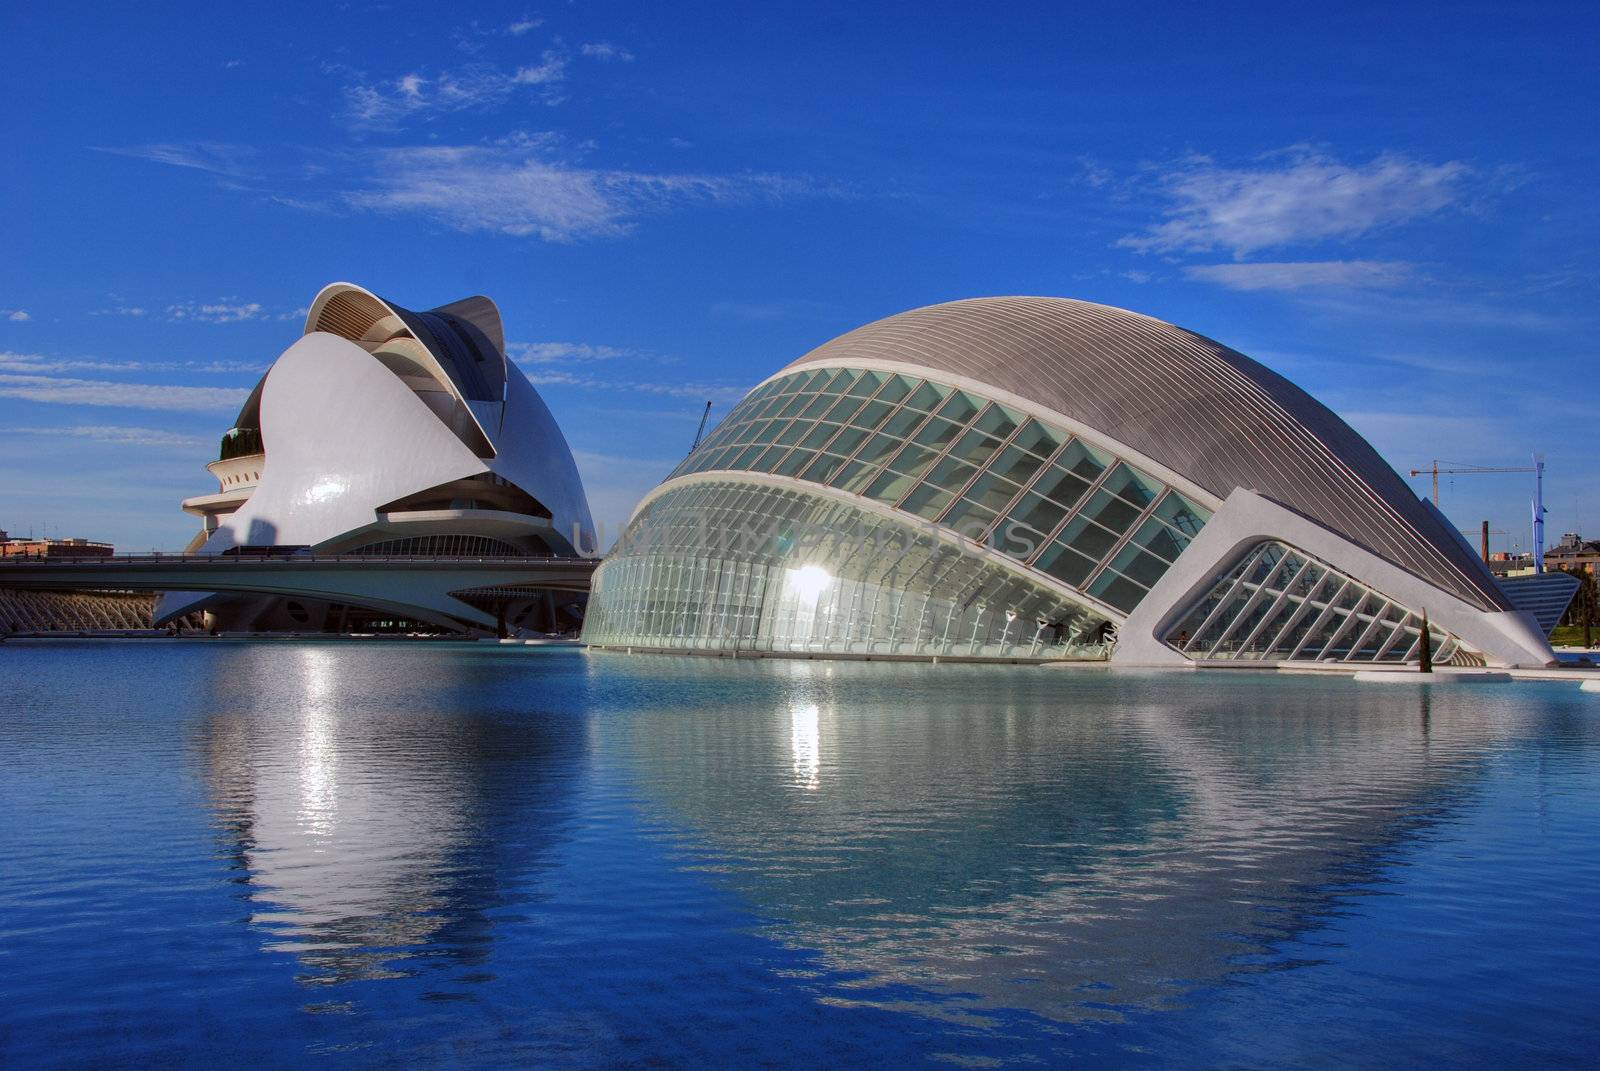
x,y
39,364
227,310
557,352
35,363
1409,438
54,391
215,157
1304,197
523,25
605,50
777,309
419,95
222,311
708,392
226,368
16,316
615,484
518,187
120,308
1306,275
118,434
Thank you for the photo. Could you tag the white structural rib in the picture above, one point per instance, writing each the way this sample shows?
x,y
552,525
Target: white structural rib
x,y
1192,405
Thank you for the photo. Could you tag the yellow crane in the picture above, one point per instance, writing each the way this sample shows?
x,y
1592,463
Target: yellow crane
x,y
1435,470
1539,511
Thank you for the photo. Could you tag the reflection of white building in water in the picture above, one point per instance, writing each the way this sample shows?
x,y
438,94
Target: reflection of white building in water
x,y
370,830
1079,851
1041,478
389,432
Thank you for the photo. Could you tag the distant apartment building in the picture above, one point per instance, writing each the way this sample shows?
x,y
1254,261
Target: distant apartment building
x,y
52,548
1574,555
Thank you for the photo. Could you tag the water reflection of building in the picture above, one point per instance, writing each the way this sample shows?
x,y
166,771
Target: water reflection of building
x,y
371,826
1072,848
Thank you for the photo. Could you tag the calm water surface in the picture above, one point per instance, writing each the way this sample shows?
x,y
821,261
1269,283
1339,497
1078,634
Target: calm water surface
x,y
368,855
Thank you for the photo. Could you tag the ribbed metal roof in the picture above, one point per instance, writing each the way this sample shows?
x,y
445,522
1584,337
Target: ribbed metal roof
x,y
1183,400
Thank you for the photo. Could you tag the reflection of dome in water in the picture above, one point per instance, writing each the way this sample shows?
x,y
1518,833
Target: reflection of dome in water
x,y
1019,843
372,831
1031,478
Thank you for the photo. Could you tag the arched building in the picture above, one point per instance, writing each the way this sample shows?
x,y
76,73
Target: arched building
x,y
1033,477
384,431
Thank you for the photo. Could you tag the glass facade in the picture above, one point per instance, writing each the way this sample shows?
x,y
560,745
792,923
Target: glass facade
x,y
950,457
740,566
1280,604
240,442
450,545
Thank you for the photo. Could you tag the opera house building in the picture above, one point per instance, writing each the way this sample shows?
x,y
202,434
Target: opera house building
x,y
391,433
1045,479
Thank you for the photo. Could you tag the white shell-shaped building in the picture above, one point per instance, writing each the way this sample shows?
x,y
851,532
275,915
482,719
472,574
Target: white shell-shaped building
x,y
385,431
1038,478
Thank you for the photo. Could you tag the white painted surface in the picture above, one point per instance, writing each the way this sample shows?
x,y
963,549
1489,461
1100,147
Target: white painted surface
x,y
1506,639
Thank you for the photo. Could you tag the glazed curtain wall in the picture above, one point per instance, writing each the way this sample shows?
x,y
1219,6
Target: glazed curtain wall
x,y
452,545
985,470
729,566
1280,604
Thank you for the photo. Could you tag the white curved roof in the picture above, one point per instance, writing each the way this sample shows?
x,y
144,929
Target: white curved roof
x,y
1185,401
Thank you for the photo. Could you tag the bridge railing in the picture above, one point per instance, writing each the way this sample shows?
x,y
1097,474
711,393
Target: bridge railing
x,y
229,560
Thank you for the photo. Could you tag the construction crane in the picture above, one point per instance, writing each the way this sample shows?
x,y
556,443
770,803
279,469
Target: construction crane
x,y
1462,470
701,430
1538,495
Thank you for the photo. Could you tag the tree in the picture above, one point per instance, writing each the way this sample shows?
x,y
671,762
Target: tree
x,y
1585,606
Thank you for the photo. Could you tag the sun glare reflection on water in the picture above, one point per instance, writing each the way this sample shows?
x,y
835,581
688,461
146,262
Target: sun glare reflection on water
x,y
805,741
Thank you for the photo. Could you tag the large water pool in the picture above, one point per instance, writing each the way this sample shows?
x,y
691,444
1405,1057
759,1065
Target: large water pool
x,y
383,854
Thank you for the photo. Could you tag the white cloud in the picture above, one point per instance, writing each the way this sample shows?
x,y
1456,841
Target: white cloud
x,y
222,311
385,104
553,352
16,316
522,26
706,392
38,364
215,157
254,368
1306,275
605,50
121,435
53,391
1309,198
118,308
516,188
551,68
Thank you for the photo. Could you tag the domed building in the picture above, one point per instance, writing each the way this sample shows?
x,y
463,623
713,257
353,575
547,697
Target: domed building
x,y
391,433
1038,478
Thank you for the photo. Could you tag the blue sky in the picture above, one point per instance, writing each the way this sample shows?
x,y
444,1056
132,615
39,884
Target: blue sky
x,y
1391,204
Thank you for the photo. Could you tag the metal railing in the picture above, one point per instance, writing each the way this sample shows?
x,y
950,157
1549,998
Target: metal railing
x,y
87,562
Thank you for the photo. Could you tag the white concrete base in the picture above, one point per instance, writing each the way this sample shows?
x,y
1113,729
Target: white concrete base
x,y
1414,677
1507,639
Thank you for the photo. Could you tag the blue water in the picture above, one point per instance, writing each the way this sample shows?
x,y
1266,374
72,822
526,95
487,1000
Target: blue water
x,y
289,854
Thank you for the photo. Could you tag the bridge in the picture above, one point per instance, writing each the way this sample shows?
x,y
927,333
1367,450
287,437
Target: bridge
x,y
413,586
